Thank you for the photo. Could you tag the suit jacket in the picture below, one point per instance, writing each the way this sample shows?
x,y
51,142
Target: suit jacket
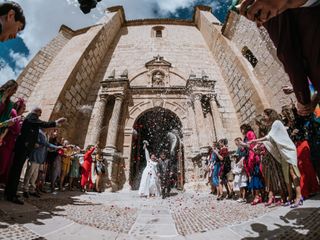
x,y
164,167
30,131
39,154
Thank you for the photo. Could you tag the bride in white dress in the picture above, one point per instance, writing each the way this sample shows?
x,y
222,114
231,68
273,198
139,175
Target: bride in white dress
x,y
150,183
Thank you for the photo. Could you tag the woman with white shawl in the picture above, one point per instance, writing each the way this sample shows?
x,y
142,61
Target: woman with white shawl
x,y
150,183
281,147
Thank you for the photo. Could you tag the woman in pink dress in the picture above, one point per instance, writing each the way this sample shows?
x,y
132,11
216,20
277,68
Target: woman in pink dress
x,y
7,90
9,140
252,164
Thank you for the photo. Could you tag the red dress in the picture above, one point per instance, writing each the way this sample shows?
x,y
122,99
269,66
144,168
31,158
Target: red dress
x,y
6,150
308,180
86,169
252,159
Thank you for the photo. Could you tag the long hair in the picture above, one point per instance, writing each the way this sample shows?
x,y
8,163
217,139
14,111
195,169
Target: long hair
x,y
272,115
89,147
246,128
263,128
19,104
9,84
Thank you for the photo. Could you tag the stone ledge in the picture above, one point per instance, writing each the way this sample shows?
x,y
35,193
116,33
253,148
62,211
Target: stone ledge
x,y
167,21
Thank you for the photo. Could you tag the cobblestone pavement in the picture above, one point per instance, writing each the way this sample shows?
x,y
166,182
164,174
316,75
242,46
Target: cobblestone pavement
x,y
113,218
9,230
124,215
201,213
191,212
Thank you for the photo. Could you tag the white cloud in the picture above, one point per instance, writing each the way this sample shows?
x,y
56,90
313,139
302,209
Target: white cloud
x,y
44,18
20,59
6,72
172,6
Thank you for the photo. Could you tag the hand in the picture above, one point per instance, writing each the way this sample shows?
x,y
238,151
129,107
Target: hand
x,y
295,132
305,110
287,89
60,121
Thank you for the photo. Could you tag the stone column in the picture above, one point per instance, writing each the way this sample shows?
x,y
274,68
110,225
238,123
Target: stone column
x,y
97,120
200,121
114,122
194,140
110,148
217,121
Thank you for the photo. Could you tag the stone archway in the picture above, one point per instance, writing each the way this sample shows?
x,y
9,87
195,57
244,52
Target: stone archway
x,y
162,128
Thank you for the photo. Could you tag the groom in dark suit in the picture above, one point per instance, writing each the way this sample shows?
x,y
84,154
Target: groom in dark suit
x,y
165,173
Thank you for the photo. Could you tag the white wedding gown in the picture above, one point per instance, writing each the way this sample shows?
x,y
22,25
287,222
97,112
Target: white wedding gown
x,y
150,182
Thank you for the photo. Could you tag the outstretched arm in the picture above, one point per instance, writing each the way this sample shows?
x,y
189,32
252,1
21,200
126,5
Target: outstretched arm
x,y
147,154
258,140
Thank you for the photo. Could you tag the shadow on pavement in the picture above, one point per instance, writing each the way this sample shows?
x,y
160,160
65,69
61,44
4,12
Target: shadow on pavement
x,y
36,209
300,223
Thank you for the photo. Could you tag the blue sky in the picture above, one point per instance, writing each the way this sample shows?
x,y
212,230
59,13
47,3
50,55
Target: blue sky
x,y
15,54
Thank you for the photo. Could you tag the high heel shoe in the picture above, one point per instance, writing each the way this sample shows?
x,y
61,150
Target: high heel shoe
x,y
257,201
270,201
297,204
286,204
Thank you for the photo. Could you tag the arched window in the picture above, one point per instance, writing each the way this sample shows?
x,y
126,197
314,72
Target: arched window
x,y
157,31
246,52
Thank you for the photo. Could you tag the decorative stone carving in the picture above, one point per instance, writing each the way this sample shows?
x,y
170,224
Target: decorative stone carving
x,y
217,121
204,75
158,79
158,72
112,74
124,74
158,102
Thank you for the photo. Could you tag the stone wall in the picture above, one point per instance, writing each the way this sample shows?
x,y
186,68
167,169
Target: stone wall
x,y
269,70
65,86
32,73
181,45
245,90
80,96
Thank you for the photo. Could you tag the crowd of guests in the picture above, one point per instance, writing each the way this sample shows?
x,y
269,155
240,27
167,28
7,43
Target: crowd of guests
x,y
48,158
282,159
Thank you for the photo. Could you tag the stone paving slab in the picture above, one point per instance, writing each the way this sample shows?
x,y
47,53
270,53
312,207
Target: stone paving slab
x,y
154,219
219,234
77,232
155,211
156,230
127,237
48,226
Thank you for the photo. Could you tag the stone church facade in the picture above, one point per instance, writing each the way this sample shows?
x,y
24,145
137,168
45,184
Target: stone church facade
x,y
202,78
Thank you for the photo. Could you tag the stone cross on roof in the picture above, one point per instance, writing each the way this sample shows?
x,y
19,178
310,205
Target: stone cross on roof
x,y
158,58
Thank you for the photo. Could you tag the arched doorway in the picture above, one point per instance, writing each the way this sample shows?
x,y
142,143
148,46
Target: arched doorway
x,y
162,128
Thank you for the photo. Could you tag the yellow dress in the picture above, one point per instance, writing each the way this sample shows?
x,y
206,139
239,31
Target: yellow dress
x,y
66,160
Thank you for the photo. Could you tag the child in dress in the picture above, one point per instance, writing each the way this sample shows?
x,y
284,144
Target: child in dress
x,y
240,179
